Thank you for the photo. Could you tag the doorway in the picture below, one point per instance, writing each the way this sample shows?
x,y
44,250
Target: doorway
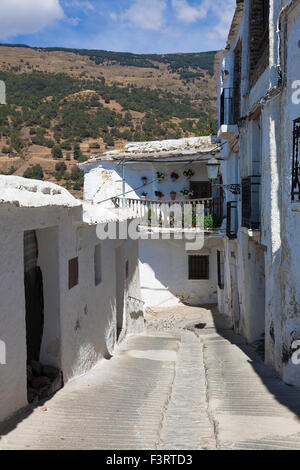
x,y
42,307
34,297
120,288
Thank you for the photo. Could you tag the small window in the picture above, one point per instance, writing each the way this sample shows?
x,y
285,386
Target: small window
x,y
73,273
127,269
220,255
98,265
198,267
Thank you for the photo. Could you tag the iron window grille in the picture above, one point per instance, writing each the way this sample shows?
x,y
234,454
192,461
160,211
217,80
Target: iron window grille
x,y
232,219
220,255
296,166
198,267
251,202
226,107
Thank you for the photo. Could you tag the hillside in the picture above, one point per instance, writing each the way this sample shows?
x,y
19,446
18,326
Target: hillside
x,y
64,105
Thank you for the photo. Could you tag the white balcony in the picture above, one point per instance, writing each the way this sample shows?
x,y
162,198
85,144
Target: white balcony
x,y
194,214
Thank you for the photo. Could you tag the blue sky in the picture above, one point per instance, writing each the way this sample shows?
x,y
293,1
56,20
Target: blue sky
x,y
141,26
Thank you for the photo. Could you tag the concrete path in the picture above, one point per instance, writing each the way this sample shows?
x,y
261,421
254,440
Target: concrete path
x,y
187,383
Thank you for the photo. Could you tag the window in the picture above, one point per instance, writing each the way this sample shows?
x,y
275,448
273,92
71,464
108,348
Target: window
x,y
259,38
220,255
251,202
232,220
236,104
201,189
296,162
127,270
98,265
73,273
198,267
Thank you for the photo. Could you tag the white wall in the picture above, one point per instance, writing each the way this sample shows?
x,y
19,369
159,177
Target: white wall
x,y
287,330
104,180
80,324
164,273
278,257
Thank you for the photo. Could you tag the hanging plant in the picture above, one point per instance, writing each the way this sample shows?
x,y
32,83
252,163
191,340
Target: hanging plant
x,y
160,176
187,192
174,176
159,194
144,195
189,173
144,179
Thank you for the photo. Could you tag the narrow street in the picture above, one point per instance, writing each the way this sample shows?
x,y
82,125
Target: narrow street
x,y
188,383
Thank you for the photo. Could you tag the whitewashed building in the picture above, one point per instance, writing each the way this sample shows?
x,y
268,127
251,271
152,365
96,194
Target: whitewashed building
x,y
65,295
149,178
259,122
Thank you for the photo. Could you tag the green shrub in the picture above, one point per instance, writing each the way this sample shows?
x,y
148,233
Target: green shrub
x,y
57,152
34,172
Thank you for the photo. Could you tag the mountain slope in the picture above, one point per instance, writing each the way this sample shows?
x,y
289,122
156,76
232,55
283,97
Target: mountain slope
x,y
64,105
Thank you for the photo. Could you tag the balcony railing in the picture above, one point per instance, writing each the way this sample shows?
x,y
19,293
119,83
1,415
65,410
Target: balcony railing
x,y
194,213
226,107
251,202
232,220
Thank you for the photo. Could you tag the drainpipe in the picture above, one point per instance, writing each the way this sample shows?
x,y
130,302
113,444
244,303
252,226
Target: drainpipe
x,y
123,182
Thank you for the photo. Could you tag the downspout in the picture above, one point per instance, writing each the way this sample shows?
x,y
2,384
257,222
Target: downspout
x,y
123,183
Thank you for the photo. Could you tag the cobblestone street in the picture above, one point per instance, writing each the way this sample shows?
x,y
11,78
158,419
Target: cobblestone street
x,y
188,383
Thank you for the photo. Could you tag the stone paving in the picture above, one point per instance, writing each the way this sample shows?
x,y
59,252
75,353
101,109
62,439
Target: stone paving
x,y
187,383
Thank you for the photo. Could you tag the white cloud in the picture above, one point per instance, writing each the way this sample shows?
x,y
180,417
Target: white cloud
x,y
85,5
74,21
113,16
27,16
190,13
146,14
222,11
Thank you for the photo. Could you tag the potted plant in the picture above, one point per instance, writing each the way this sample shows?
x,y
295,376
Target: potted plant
x,y
144,195
189,173
174,176
144,179
159,194
173,195
187,192
160,176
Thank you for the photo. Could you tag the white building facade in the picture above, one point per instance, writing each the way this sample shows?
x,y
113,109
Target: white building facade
x,y
66,296
259,108
151,177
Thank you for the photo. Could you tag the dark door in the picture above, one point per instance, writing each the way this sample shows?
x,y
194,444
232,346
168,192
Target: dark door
x,y
34,298
201,189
